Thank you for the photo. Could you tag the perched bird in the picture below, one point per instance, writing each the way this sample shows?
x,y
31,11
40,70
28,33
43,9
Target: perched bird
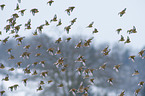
x,y
22,12
34,11
2,6
122,38
17,7
122,12
50,2
132,58
128,40
118,30
90,25
116,67
95,31
135,72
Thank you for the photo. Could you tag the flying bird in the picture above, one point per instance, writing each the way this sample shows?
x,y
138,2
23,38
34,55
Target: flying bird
x,y
2,6
50,2
119,30
34,11
122,12
90,25
22,12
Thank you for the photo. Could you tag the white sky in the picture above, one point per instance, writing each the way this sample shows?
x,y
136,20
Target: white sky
x,y
104,13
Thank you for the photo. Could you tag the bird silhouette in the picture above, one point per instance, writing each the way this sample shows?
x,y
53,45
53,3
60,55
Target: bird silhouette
x,y
122,12
2,6
50,2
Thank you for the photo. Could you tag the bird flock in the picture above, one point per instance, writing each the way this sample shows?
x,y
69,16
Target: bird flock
x,y
13,29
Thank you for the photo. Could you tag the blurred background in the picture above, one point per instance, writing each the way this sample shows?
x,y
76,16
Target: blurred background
x,y
106,20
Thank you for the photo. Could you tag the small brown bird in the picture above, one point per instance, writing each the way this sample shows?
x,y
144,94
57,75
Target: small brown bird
x,y
54,18
49,81
39,46
25,81
2,66
6,78
46,23
50,2
122,38
35,73
73,21
122,12
22,12
90,25
118,30
132,58
141,83
39,88
17,7
137,91
5,40
11,57
2,6
59,23
60,85
103,66
95,31
141,53
19,63
50,50
116,67
128,40
11,69
110,80
79,44
9,51
135,72
34,11
58,40
122,93
67,29
68,39
2,92
73,90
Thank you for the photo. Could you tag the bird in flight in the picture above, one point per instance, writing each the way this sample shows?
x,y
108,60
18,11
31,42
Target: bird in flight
x,y
122,12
